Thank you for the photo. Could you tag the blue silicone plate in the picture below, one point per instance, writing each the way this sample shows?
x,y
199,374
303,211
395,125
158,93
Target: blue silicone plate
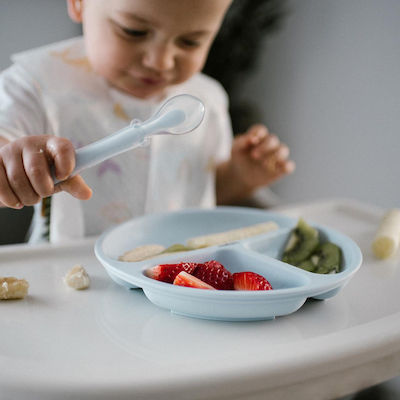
x,y
291,285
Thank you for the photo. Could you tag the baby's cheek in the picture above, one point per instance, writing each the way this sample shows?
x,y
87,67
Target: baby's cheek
x,y
107,58
187,66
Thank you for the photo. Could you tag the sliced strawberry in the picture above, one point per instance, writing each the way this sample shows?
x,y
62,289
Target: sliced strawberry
x,y
250,281
215,274
185,279
168,272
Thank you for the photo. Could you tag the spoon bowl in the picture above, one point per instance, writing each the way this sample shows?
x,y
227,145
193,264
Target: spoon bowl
x,y
183,112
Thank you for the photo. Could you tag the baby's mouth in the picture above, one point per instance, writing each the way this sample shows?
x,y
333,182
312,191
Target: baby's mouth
x,y
152,81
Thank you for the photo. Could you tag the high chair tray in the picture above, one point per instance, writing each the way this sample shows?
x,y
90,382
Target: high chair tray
x,y
108,342
261,254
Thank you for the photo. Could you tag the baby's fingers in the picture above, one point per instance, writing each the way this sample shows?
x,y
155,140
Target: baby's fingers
x,y
38,171
17,179
7,195
75,186
287,166
251,138
259,142
62,153
282,152
257,134
277,167
269,145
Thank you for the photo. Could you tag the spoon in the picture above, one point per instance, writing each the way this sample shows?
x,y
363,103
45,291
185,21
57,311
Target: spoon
x,y
178,115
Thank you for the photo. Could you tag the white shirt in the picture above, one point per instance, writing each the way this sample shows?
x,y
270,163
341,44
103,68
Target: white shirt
x,y
53,90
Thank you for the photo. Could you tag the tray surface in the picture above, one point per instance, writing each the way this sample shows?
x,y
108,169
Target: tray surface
x,y
108,342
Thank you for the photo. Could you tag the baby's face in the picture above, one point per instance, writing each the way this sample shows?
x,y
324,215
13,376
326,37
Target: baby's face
x,y
144,46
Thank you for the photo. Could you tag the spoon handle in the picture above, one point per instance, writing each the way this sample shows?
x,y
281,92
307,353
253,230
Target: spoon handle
x,y
165,121
107,147
96,152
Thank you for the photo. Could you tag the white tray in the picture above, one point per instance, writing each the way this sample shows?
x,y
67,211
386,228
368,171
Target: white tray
x,y
109,342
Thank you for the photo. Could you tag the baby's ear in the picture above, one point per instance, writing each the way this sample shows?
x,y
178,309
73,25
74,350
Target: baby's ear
x,y
75,10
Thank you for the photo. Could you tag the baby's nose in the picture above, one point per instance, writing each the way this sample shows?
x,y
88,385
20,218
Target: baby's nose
x,y
159,57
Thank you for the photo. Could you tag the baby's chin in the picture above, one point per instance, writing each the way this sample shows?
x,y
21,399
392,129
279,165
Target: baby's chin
x,y
142,93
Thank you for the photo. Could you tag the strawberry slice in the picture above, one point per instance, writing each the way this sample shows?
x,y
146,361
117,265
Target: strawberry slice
x,y
185,279
215,274
168,272
250,281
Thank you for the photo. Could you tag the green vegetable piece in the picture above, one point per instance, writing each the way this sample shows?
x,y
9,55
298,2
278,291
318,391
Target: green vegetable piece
x,y
307,265
303,240
329,256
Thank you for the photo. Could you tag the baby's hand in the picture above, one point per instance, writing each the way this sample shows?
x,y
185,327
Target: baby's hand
x,y
260,158
25,170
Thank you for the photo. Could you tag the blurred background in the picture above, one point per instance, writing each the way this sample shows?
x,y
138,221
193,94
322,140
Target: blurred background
x,y
322,74
328,83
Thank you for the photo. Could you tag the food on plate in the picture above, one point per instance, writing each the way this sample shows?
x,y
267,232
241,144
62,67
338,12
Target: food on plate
x,y
185,279
77,278
231,235
12,288
215,274
141,253
208,275
168,272
305,250
325,259
148,251
248,280
303,240
387,238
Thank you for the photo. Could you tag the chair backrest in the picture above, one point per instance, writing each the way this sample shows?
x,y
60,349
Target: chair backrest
x,y
14,225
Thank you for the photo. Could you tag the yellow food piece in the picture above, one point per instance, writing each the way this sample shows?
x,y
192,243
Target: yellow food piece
x,y
13,288
231,235
387,237
141,253
77,278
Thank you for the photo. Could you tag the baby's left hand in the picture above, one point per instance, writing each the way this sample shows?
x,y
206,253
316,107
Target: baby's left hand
x,y
259,158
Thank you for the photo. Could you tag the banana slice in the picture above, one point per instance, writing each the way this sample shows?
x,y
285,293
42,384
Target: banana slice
x,y
231,235
141,253
387,237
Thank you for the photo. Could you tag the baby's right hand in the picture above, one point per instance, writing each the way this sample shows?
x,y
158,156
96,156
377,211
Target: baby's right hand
x,y
25,170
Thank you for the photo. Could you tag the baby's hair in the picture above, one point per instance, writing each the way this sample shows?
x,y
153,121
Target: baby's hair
x,y
237,46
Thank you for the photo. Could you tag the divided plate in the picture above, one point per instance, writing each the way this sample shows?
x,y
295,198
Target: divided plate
x,y
291,285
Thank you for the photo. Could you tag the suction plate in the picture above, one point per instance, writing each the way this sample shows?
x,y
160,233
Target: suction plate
x,y
291,285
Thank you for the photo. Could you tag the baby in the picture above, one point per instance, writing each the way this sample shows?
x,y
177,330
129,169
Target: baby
x,y
133,55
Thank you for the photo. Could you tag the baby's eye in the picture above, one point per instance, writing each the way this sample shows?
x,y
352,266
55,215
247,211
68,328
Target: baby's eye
x,y
134,32
190,43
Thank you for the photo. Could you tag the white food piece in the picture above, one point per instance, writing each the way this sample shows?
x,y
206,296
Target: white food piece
x,y
141,253
231,235
387,237
77,278
13,288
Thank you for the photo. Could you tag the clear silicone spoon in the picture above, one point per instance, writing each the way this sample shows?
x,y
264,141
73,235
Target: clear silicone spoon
x,y
178,115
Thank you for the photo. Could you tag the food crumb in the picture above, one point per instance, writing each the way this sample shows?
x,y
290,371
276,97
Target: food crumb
x,y
77,278
12,288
